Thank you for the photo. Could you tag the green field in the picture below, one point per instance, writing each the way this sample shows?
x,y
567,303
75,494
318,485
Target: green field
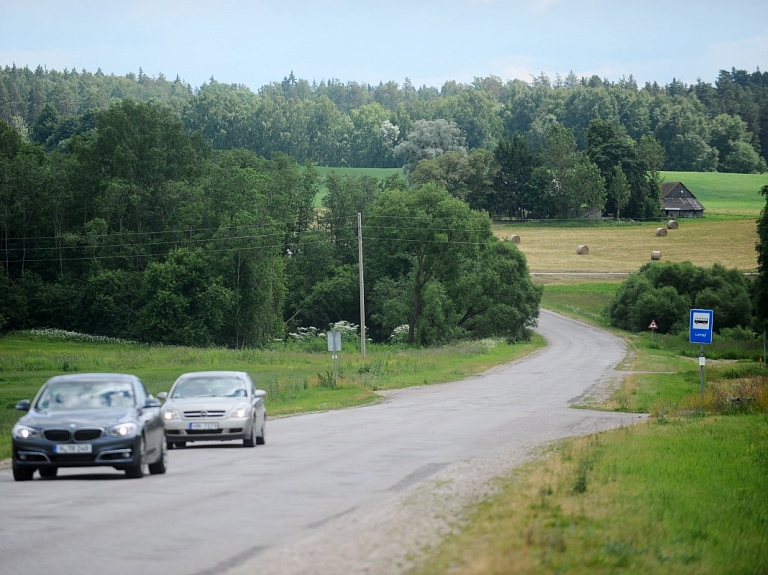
x,y
724,194
378,173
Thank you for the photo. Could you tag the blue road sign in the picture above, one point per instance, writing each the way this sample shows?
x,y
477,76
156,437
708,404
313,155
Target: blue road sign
x,y
701,325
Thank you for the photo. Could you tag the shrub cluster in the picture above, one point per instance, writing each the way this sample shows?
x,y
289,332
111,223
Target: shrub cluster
x,y
666,292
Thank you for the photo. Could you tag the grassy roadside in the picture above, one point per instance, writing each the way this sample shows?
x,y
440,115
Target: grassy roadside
x,y
682,493
677,498
297,377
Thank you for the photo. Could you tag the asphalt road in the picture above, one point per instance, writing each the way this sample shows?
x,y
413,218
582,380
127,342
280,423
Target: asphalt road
x,y
222,508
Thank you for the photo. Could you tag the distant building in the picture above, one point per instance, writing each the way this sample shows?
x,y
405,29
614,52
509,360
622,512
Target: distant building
x,y
677,201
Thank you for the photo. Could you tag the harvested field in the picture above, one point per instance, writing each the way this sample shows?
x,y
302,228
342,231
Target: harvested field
x,y
625,248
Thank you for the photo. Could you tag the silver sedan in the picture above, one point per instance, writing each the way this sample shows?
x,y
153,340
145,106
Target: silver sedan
x,y
214,406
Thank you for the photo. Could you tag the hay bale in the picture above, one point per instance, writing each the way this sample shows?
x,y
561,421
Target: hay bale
x,y
514,239
672,224
656,255
661,232
582,250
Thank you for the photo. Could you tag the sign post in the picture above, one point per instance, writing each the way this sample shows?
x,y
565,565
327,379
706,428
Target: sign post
x,y
334,346
701,333
653,327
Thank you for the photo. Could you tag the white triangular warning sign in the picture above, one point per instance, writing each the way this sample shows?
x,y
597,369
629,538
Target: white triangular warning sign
x,y
653,325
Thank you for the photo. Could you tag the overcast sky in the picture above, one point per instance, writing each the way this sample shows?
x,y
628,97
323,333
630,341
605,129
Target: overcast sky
x,y
256,42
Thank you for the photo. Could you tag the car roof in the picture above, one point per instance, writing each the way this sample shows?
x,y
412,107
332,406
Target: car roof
x,y
94,377
191,374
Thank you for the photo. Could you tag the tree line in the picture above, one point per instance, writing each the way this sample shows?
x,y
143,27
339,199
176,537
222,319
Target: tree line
x,y
700,127
138,229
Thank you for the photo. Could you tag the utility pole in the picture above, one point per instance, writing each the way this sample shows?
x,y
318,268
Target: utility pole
x,y
362,284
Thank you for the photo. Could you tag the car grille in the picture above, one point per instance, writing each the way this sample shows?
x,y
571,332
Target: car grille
x,y
204,431
57,434
87,434
204,413
64,435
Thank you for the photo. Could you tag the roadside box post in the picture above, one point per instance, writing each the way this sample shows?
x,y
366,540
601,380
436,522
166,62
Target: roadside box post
x,y
334,346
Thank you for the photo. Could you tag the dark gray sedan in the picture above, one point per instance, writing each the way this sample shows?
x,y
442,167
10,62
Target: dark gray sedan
x,y
87,420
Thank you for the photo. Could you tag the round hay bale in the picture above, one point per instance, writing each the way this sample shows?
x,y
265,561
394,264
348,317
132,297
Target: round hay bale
x,y
661,232
656,255
672,224
582,250
514,239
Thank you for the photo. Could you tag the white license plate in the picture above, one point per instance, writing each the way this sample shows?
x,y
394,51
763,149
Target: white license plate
x,y
204,426
72,448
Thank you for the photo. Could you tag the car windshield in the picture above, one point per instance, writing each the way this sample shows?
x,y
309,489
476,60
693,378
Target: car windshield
x,y
72,395
209,387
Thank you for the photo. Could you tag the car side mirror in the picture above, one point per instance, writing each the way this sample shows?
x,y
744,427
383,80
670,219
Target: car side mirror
x,y
23,405
151,402
259,393
162,395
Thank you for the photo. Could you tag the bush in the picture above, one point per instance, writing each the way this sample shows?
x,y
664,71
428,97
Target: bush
x,y
665,292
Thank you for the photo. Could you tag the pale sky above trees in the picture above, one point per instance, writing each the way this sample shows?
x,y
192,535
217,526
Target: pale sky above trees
x,y
256,42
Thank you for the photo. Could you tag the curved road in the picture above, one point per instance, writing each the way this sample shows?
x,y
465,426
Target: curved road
x,y
326,492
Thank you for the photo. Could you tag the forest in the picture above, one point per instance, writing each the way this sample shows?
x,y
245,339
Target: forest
x,y
701,127
144,209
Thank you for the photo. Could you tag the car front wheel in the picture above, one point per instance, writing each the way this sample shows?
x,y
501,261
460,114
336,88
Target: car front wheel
x,y
22,474
250,439
262,438
136,470
161,465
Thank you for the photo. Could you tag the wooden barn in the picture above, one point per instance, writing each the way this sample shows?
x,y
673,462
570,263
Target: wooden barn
x,y
677,201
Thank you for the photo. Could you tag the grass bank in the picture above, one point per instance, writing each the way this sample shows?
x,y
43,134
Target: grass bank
x,y
682,493
679,497
297,377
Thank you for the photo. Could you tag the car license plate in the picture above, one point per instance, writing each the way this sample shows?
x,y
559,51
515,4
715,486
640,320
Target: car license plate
x,y
204,426
72,448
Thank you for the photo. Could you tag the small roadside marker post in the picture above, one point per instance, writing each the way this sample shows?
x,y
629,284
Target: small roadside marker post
x,y
653,327
334,346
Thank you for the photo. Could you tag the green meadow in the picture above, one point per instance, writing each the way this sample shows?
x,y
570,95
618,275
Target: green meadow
x,y
378,173
724,194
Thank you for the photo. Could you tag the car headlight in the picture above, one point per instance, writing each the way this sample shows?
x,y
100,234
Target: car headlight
x,y
237,411
123,430
23,432
170,413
